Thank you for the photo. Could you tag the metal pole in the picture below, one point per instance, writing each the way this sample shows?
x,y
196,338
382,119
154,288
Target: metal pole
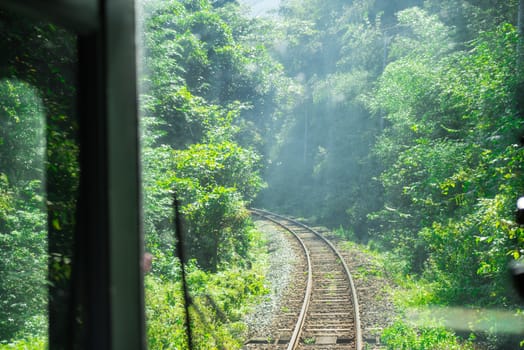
x,y
180,252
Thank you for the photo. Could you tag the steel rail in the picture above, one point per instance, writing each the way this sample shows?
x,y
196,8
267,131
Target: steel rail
x,y
295,336
356,309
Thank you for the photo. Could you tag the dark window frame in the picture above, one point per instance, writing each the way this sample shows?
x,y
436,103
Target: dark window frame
x,y
108,239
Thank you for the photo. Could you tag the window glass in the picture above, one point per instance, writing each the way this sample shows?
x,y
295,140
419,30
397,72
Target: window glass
x,y
38,177
24,218
395,126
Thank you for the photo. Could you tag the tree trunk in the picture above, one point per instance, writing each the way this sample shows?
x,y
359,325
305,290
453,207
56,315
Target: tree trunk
x,y
520,27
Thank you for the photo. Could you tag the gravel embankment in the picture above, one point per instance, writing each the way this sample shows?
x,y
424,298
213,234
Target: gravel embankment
x,y
281,263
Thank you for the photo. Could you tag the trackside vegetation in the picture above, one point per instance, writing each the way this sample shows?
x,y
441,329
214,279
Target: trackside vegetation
x,y
398,124
207,100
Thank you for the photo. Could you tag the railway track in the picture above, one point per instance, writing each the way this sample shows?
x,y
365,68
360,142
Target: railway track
x,y
323,312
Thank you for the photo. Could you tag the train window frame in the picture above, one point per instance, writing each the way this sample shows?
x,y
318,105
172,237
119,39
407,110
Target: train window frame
x,y
108,236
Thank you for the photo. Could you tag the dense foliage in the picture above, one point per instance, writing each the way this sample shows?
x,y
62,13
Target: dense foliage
x,y
23,219
453,161
408,135
399,122
208,95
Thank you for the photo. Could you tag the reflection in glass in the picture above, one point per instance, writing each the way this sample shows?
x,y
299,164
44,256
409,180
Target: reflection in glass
x,y
23,217
38,178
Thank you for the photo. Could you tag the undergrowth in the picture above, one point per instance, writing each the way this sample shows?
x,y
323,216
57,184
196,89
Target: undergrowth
x,y
401,336
219,300
31,343
415,327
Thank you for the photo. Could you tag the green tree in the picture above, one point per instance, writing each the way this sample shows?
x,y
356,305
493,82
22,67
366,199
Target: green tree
x,y
23,220
451,163
202,85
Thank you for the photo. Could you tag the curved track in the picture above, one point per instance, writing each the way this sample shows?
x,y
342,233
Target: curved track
x,y
324,313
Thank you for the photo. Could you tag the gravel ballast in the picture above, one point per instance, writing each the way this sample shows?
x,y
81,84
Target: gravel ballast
x,y
282,258
377,310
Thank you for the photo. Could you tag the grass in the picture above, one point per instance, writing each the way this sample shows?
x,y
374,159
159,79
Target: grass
x,y
403,336
309,341
37,343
